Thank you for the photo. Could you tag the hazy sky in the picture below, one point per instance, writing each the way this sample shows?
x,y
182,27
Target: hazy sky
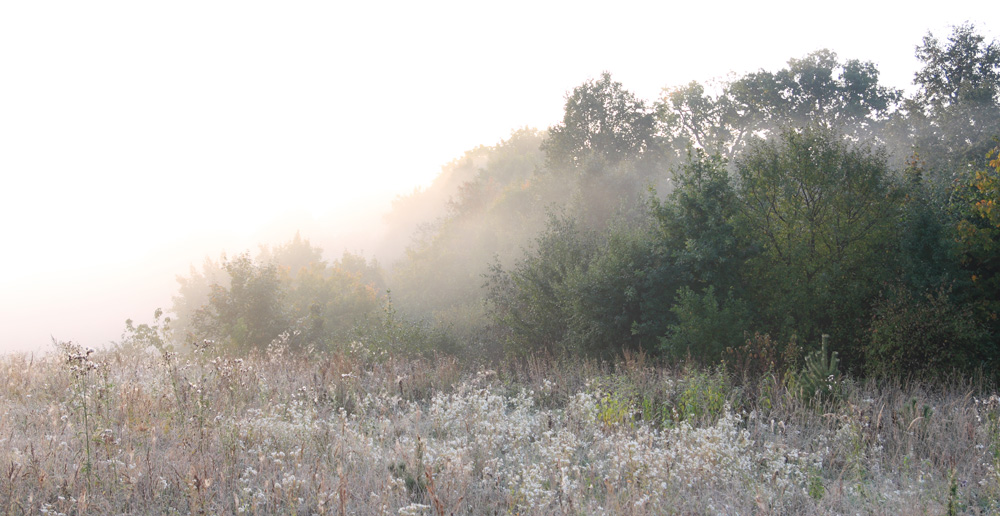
x,y
138,137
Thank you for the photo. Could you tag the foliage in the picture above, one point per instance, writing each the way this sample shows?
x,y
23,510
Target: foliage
x,y
819,379
192,294
955,113
288,289
695,244
137,338
924,335
792,217
719,125
496,210
843,97
703,396
291,257
575,292
326,301
386,333
820,213
978,231
603,299
761,357
696,232
705,327
815,89
528,300
249,312
927,253
603,124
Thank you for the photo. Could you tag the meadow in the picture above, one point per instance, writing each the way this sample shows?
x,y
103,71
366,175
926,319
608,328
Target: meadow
x,y
141,431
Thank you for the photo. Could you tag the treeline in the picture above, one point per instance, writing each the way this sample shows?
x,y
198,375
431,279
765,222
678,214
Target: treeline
x,y
737,221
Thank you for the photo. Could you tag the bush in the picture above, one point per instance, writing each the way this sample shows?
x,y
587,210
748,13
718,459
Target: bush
x,y
705,327
923,336
387,333
761,355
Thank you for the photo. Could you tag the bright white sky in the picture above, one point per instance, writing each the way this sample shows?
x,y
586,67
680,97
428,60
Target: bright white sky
x,y
139,137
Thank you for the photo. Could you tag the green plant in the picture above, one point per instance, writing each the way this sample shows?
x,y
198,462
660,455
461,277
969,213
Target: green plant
x,y
615,409
705,325
762,355
816,488
654,411
413,478
390,333
704,395
819,379
914,417
138,338
952,493
923,335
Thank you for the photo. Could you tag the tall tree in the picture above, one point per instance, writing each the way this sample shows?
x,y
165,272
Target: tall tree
x,y
603,124
291,257
194,292
846,97
817,89
324,302
821,213
530,300
721,123
955,113
697,259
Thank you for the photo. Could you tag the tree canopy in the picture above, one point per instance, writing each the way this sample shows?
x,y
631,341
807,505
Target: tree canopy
x,y
722,220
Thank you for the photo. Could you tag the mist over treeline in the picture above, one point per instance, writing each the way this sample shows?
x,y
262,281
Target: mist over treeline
x,y
736,220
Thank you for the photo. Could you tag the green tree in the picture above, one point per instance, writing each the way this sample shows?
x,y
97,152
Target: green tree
x,y
705,326
955,112
603,297
695,243
845,97
530,300
925,335
722,123
498,210
817,89
292,256
325,302
927,242
820,213
193,293
603,125
249,312
978,233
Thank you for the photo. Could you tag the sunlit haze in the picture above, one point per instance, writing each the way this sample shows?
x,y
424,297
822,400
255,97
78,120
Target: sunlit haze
x,y
137,138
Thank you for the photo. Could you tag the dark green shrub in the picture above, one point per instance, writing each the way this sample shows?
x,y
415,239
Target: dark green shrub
x,y
705,326
924,335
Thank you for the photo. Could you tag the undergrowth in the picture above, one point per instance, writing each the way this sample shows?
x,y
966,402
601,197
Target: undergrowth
x,y
144,430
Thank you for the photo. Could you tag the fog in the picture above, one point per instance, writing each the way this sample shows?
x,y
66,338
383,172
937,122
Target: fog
x,y
88,298
136,140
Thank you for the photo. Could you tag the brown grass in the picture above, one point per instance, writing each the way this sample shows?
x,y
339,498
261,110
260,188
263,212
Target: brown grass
x,y
134,432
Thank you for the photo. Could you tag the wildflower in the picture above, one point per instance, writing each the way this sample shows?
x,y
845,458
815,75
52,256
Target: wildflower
x,y
414,509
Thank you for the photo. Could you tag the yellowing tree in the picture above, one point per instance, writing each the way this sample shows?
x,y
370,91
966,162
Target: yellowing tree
x,y
978,232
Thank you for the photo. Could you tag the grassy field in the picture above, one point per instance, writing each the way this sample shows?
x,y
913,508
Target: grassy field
x,y
139,432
